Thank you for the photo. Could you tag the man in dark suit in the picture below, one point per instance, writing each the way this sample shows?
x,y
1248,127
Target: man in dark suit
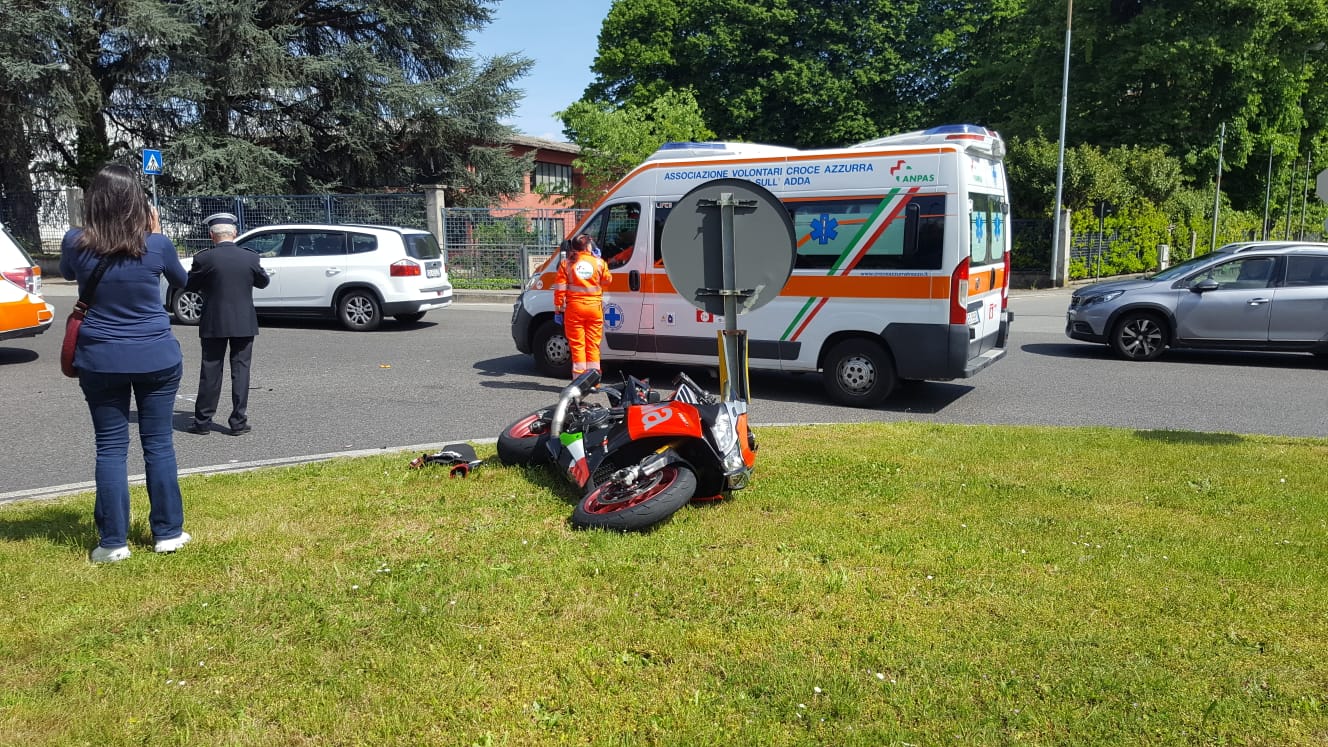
x,y
226,276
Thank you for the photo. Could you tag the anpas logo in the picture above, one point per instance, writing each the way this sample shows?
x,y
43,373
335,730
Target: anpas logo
x,y
900,172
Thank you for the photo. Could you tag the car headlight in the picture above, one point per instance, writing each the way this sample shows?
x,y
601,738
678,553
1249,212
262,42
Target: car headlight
x,y
1100,298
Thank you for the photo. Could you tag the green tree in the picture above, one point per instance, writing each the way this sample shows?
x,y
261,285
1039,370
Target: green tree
x,y
614,139
263,95
1155,74
806,73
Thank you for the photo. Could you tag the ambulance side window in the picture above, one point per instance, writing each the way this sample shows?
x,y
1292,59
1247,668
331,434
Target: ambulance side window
x,y
614,232
913,240
830,234
826,229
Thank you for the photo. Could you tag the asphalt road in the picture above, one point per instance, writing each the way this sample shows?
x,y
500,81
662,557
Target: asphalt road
x,y
318,390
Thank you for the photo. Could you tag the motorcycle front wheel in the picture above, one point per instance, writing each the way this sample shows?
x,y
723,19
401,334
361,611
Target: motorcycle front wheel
x,y
526,441
638,506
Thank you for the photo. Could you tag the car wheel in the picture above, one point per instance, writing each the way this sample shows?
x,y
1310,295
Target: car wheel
x,y
187,307
553,356
409,318
359,311
1139,336
859,373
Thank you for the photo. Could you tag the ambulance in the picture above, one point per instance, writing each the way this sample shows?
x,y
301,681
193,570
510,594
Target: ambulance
x,y
902,268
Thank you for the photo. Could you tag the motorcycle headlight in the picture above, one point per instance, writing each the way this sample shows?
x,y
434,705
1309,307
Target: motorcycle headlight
x,y
726,436
733,462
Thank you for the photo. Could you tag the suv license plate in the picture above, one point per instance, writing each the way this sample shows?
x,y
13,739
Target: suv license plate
x,y
433,272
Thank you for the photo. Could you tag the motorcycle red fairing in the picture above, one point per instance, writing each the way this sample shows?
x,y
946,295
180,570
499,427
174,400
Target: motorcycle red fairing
x,y
663,420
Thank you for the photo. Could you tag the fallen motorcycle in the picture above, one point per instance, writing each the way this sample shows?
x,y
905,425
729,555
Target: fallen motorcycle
x,y
639,457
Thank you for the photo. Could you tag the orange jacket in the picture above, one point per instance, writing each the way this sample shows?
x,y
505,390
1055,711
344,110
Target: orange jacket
x,y
582,276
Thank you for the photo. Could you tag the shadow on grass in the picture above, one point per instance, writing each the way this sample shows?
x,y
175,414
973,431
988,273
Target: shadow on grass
x,y
1189,437
62,525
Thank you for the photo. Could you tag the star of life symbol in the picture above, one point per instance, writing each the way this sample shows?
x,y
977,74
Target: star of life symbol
x,y
823,229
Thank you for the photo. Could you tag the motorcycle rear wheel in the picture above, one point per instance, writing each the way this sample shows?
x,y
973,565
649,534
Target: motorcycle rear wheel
x,y
639,506
526,441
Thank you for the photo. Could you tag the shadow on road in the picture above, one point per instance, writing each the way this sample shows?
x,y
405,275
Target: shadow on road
x,y
388,326
1089,351
927,397
14,356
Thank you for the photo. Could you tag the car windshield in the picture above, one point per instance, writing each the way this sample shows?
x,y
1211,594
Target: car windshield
x,y
1176,271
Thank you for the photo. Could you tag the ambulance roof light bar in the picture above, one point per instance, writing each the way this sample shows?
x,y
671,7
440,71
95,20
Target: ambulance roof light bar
x,y
971,133
706,150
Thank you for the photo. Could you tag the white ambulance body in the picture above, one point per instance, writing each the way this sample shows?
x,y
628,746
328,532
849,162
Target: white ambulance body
x,y
902,267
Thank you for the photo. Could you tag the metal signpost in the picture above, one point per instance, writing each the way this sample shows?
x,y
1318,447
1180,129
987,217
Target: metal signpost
x,y
152,166
728,248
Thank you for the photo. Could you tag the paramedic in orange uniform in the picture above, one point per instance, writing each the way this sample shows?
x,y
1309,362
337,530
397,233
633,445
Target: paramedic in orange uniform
x,y
577,298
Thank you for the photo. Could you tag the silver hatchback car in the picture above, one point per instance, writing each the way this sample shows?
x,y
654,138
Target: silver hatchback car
x,y
1273,299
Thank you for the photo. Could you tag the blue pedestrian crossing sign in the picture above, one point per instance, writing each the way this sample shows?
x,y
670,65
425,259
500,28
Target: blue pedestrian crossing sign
x,y
152,162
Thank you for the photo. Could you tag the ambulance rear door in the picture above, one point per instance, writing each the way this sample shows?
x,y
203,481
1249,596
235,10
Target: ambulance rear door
x,y
989,238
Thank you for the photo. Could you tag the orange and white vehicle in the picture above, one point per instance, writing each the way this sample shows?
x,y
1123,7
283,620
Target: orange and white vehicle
x,y
902,267
22,314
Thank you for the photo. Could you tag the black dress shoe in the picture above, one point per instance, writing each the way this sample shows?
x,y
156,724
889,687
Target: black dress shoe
x,y
199,430
241,430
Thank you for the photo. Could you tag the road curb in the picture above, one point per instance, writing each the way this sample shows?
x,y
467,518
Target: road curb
x,y
74,488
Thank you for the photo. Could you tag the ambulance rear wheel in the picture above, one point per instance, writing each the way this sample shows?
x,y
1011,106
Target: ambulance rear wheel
x,y
859,373
553,356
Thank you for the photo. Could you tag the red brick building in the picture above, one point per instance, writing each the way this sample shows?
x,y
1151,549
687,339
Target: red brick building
x,y
553,180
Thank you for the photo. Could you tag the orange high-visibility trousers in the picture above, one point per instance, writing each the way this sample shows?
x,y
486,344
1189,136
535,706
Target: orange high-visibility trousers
x,y
583,325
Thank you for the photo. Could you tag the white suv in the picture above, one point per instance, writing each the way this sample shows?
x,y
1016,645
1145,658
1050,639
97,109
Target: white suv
x,y
359,274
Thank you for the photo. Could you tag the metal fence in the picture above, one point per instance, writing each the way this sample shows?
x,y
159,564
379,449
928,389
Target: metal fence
x,y
182,217
499,247
52,216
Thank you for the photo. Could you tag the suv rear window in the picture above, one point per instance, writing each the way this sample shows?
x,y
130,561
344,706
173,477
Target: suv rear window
x,y
422,246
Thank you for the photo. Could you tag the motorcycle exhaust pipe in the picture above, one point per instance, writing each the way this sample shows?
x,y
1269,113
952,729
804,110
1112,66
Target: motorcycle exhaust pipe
x,y
580,387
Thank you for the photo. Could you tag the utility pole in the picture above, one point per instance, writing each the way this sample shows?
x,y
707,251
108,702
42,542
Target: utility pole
x,y
1217,193
1057,250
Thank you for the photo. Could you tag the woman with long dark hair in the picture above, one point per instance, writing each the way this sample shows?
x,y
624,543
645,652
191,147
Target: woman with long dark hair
x,y
125,347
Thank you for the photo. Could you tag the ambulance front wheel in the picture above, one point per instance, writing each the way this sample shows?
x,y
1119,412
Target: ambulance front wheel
x,y
859,373
553,356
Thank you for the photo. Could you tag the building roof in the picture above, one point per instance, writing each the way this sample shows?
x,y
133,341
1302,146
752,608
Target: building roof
x,y
541,143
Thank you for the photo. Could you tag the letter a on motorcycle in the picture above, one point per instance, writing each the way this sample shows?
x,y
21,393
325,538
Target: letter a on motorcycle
x,y
671,419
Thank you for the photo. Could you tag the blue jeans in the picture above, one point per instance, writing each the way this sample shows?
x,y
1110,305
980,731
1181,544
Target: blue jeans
x,y
107,395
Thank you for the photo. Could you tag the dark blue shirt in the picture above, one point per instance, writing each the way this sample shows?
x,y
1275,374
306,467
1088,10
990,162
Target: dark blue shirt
x,y
126,329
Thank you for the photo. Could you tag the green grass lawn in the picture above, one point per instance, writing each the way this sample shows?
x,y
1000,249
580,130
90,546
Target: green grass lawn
x,y
877,585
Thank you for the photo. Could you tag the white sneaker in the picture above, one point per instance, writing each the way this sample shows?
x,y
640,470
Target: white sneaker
x,y
109,554
172,544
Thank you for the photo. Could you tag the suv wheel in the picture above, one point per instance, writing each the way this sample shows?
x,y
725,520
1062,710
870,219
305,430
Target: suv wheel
x,y
1139,336
359,310
187,306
